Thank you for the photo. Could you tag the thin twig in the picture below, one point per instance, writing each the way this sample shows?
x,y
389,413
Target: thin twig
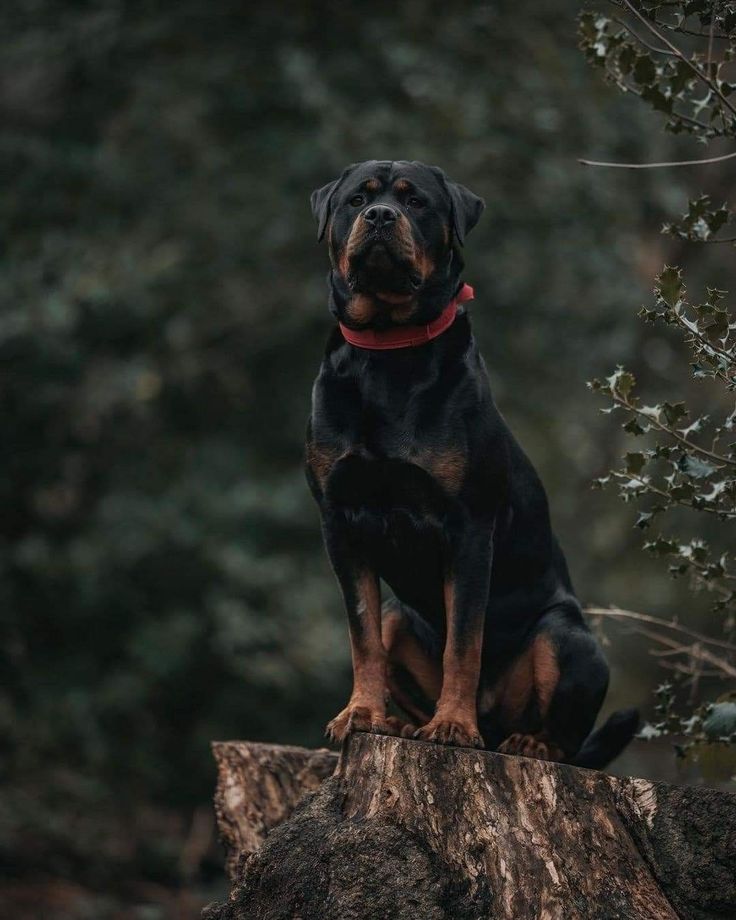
x,y
620,613
663,38
683,31
641,40
719,159
694,651
680,668
690,445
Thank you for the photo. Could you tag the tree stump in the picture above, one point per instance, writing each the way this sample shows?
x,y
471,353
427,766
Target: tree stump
x,y
413,831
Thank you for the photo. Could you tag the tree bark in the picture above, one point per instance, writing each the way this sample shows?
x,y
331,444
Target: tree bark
x,y
414,831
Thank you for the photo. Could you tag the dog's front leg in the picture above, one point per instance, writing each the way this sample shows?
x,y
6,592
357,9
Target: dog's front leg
x,y
467,584
366,710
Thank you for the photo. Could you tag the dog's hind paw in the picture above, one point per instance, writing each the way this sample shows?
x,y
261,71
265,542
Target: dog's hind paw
x,y
530,746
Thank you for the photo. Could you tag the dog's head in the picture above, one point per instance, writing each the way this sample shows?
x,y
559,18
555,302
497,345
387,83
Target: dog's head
x,y
393,229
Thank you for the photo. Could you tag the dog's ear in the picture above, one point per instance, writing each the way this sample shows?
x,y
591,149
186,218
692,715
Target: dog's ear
x,y
466,206
322,202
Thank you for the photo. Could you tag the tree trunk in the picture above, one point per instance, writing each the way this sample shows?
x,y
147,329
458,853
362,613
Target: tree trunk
x,y
414,831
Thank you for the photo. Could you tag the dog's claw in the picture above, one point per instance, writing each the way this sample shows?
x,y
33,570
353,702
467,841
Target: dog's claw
x,y
355,719
451,733
530,746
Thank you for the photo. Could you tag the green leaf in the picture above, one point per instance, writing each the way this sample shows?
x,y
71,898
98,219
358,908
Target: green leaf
x,y
645,71
673,412
633,426
721,721
649,732
661,547
669,285
696,427
635,462
682,491
694,466
621,382
644,521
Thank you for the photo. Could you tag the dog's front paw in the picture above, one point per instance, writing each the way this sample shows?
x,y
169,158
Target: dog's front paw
x,y
355,718
450,731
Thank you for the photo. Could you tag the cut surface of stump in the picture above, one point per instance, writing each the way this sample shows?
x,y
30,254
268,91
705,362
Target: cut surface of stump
x,y
406,829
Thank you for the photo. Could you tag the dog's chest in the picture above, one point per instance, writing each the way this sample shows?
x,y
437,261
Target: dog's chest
x,y
384,441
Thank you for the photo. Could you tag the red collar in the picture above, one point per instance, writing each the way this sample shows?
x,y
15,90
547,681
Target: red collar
x,y
408,336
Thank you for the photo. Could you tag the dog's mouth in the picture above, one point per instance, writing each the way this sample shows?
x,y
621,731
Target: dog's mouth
x,y
384,270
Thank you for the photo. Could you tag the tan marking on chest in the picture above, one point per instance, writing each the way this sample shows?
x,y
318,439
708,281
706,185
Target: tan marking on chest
x,y
320,460
447,466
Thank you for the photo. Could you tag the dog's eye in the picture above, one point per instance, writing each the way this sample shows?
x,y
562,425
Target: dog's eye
x,y
414,202
357,200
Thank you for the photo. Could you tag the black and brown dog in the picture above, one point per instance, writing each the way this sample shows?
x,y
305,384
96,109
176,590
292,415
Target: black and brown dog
x,y
421,485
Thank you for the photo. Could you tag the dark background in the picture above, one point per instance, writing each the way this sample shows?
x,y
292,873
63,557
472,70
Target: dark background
x,y
163,311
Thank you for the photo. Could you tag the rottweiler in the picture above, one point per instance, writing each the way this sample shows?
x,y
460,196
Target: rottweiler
x,y
422,486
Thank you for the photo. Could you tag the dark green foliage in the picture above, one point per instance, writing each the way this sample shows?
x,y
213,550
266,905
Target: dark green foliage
x,y
651,50
690,460
701,223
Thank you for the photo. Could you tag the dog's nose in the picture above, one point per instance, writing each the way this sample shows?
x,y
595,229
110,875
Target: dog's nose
x,y
379,215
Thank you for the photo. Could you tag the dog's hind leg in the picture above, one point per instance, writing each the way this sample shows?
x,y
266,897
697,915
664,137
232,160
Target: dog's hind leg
x,y
548,698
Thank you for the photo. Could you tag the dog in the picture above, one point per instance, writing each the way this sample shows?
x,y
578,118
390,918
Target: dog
x,y
421,485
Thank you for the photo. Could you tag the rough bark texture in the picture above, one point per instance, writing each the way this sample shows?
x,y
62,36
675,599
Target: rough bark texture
x,y
414,831
258,787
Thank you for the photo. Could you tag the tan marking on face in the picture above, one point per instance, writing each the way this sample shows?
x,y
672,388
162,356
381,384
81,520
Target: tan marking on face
x,y
404,245
390,297
404,313
372,185
361,308
355,240
424,263
401,185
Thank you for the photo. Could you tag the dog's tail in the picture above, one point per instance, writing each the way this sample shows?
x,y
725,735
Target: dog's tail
x,y
607,742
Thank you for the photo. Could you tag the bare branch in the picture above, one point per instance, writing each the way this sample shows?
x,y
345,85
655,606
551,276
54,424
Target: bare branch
x,y
695,651
620,613
719,159
641,40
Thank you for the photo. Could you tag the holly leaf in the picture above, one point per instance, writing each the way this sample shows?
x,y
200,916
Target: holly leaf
x,y
634,462
670,286
695,467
